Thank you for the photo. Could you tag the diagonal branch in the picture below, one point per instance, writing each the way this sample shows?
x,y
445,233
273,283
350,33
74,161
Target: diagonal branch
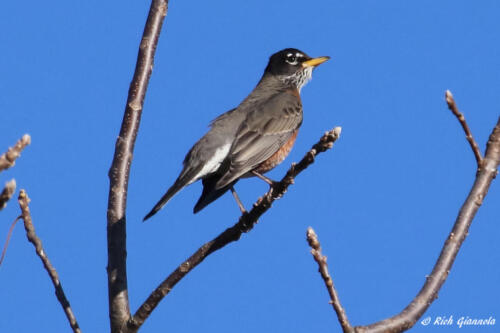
x,y
245,224
468,134
486,172
7,192
8,159
119,310
313,242
37,243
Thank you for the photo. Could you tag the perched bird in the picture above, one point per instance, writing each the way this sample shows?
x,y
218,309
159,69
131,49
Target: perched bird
x,y
252,138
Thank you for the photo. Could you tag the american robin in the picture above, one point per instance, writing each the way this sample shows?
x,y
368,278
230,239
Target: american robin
x,y
252,138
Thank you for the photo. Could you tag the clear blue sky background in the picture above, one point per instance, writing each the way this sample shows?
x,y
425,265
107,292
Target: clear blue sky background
x,y
382,201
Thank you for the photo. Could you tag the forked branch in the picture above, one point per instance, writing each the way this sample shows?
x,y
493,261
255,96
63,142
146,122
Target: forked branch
x,y
487,171
245,224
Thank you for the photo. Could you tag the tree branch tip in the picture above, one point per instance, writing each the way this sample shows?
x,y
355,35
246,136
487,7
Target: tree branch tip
x,y
312,240
26,139
11,183
8,159
337,130
23,195
448,95
10,187
7,192
451,103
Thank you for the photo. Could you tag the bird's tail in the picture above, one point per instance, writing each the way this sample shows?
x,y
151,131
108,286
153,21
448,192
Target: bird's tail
x,y
164,199
184,179
210,193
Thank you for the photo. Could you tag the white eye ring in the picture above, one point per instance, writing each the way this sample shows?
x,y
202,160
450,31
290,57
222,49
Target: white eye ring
x,y
292,59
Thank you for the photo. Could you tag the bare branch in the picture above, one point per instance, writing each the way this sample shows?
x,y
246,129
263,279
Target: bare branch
x,y
119,310
487,171
37,243
245,224
8,159
468,134
313,241
9,234
8,191
485,175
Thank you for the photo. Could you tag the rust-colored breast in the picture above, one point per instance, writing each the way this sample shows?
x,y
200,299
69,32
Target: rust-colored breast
x,y
279,155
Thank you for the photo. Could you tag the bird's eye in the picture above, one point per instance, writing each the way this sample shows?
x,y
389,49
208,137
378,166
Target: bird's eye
x,y
291,59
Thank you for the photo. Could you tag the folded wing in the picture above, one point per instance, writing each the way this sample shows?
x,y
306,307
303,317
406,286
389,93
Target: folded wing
x,y
264,131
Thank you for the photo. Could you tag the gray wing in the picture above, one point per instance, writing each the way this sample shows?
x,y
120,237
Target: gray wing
x,y
212,149
265,130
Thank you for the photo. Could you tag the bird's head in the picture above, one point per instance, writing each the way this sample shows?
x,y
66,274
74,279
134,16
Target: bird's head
x,y
293,66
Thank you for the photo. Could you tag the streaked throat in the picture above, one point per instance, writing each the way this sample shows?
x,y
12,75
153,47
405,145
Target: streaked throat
x,y
298,79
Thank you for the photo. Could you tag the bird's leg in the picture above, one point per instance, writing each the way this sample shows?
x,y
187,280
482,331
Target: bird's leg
x,y
272,183
238,201
264,178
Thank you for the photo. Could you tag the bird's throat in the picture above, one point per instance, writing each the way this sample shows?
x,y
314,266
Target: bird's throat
x,y
299,78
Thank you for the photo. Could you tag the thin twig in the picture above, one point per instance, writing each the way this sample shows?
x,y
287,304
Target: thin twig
x,y
245,224
37,243
468,134
9,234
8,159
119,309
313,241
8,191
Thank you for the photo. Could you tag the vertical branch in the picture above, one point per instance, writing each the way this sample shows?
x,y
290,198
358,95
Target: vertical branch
x,y
119,172
37,243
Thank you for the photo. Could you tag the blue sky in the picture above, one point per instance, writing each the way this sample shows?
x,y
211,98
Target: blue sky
x,y
382,201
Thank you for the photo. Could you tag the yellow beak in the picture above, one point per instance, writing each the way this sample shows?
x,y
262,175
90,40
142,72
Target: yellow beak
x,y
314,62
